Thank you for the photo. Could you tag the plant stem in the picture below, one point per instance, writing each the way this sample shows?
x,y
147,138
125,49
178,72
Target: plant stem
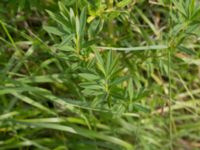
x,y
170,82
78,45
170,100
110,23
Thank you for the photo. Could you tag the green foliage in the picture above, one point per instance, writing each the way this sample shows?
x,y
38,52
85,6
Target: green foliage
x,y
99,74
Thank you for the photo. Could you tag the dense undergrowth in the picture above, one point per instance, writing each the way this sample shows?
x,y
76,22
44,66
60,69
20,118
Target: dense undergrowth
x,y
100,74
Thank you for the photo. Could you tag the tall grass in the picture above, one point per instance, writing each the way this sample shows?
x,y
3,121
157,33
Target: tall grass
x,y
99,75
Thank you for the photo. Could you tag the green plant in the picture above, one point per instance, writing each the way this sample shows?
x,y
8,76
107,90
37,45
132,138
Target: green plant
x,y
99,75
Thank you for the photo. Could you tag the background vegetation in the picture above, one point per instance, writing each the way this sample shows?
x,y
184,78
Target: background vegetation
x,y
100,74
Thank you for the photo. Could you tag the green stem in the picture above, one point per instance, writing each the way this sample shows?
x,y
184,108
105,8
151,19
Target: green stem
x,y
8,34
170,82
170,100
110,24
78,45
